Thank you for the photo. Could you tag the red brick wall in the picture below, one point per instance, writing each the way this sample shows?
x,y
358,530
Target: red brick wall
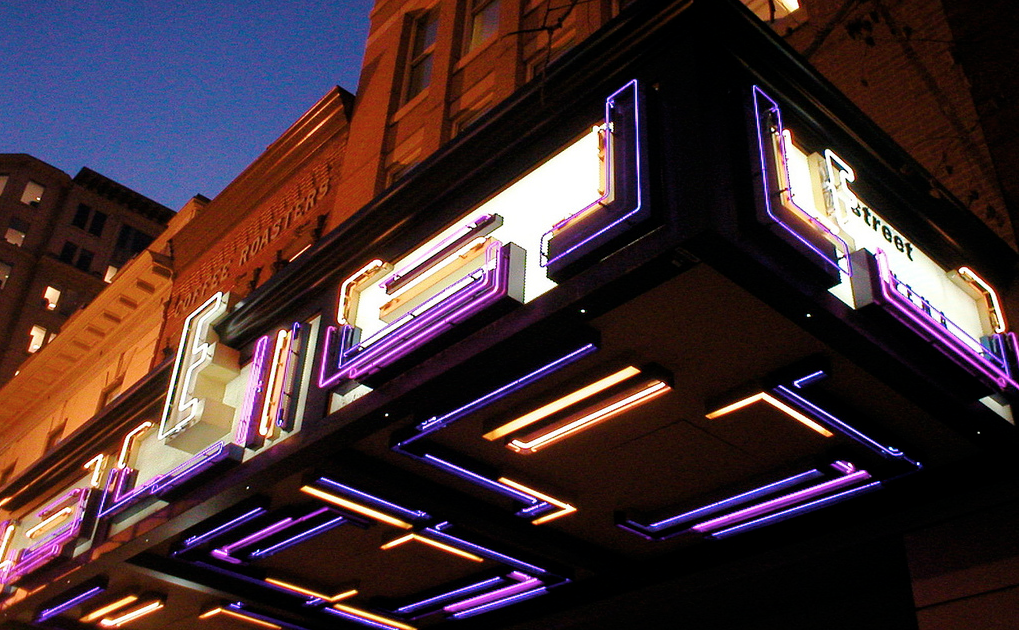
x,y
894,59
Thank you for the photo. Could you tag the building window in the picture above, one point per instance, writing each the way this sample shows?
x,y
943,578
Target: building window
x,y
5,273
419,65
482,23
67,252
98,222
110,393
72,255
130,241
36,339
81,215
395,171
770,10
16,231
86,219
84,260
111,271
50,297
465,118
33,193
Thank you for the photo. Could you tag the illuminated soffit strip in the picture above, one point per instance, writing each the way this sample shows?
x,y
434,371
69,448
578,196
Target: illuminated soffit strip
x,y
69,603
589,417
432,543
562,403
332,599
136,613
564,508
109,608
355,507
365,615
238,615
777,404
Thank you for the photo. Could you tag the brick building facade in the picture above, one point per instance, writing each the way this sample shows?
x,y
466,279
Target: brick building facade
x,y
65,238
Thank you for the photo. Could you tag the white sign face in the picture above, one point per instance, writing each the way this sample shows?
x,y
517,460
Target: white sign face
x,y
821,184
200,373
527,208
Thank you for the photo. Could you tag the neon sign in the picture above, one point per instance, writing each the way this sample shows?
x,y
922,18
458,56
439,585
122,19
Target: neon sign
x,y
200,372
424,315
988,360
809,196
789,496
220,549
269,402
623,205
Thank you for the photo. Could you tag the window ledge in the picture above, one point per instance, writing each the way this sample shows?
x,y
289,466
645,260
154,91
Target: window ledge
x,y
470,56
409,105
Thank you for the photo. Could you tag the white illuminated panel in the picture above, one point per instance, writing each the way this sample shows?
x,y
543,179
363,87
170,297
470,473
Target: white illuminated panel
x,y
822,185
559,187
194,414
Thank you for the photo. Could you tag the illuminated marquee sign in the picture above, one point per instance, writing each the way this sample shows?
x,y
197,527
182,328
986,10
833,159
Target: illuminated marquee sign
x,y
426,307
227,547
149,465
504,251
788,496
809,199
200,372
624,203
216,410
508,250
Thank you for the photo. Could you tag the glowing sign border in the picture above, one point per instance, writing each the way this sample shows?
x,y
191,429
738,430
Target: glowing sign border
x,y
192,342
880,286
473,294
840,263
771,509
608,200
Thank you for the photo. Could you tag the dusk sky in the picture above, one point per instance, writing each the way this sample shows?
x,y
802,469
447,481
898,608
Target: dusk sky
x,y
169,98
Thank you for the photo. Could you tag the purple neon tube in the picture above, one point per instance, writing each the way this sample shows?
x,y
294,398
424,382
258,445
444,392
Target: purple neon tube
x,y
70,603
796,511
486,598
371,498
519,597
609,106
842,245
908,313
400,337
781,502
299,537
735,500
198,539
505,390
438,599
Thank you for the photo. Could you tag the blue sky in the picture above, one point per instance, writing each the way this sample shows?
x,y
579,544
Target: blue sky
x,y
169,98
